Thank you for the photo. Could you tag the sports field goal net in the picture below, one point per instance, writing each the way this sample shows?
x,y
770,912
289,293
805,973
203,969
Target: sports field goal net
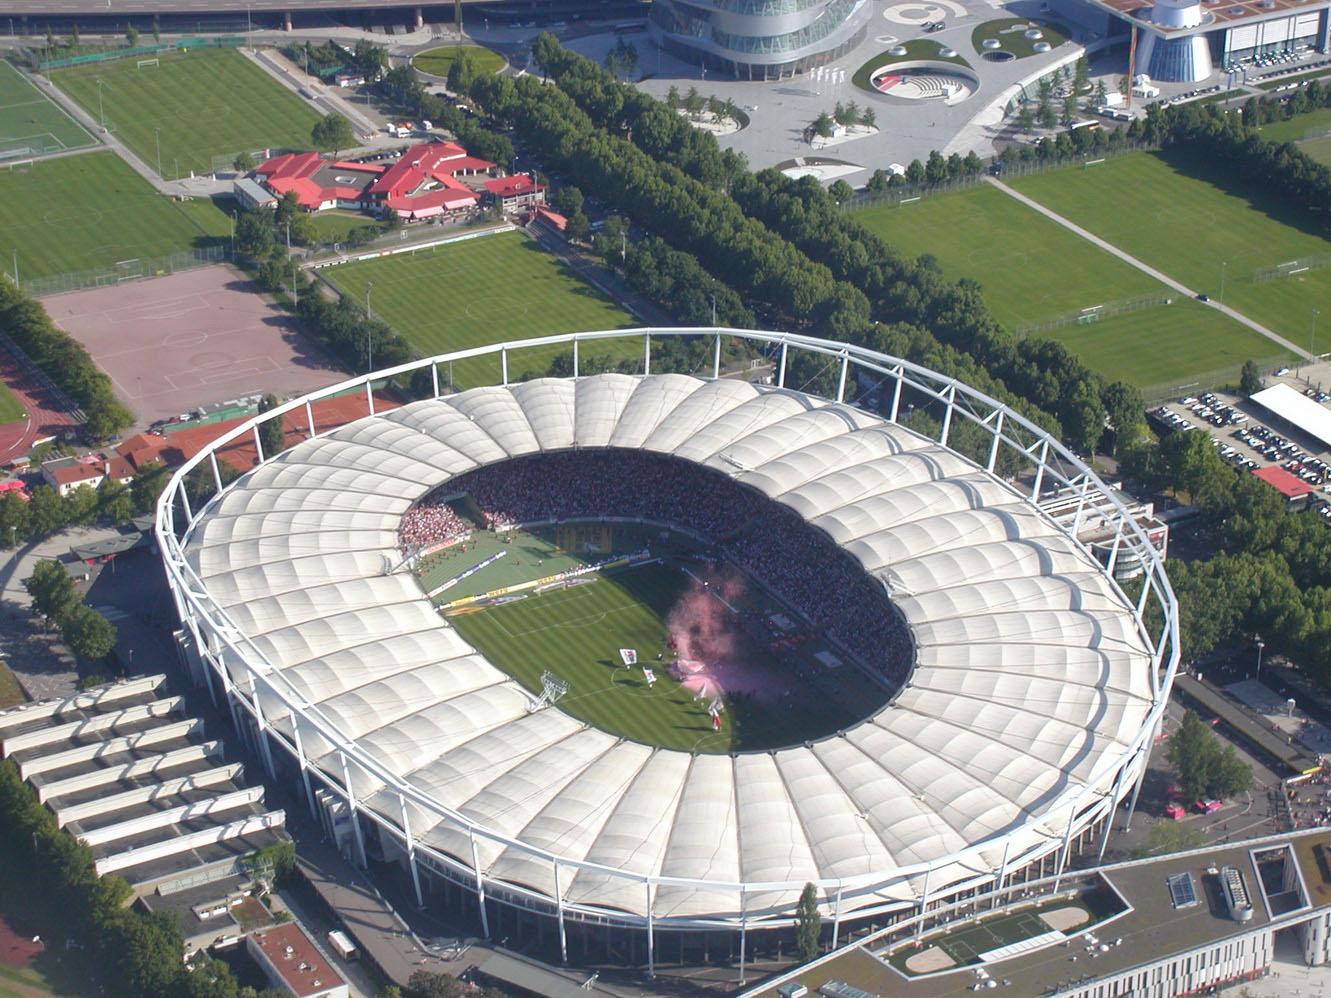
x,y
148,63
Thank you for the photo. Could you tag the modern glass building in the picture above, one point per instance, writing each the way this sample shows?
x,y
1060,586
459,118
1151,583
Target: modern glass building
x,y
759,39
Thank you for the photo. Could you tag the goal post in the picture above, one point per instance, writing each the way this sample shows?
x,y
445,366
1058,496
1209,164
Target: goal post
x,y
148,63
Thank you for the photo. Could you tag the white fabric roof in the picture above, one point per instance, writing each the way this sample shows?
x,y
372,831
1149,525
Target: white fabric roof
x,y
1029,670
1294,407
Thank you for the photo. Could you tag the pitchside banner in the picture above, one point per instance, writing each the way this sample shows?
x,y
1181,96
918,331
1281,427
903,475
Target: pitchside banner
x,y
629,656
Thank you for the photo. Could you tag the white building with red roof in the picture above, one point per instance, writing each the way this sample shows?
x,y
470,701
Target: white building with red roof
x,y
318,183
424,182
517,191
292,963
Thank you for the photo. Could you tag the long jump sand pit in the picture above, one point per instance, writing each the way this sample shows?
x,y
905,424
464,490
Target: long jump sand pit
x,y
929,961
174,343
1063,919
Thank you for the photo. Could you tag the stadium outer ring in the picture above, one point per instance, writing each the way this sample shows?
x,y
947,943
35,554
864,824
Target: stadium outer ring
x,y
220,647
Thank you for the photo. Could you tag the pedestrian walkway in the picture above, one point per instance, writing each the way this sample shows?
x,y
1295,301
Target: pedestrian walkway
x,y
1146,268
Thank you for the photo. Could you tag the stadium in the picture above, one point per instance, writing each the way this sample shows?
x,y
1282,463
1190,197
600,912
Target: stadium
x,y
1016,687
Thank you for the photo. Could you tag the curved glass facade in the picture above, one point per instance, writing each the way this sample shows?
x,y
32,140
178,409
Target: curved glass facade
x,y
759,39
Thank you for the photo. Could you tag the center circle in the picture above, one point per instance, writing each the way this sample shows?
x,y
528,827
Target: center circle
x,y
680,608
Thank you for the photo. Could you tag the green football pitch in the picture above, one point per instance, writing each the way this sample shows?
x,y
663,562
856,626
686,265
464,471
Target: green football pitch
x,y
1032,270
1171,215
1311,131
89,212
576,632
202,104
30,122
480,291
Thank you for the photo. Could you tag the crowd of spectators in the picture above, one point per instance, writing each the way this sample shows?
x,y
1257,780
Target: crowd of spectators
x,y
426,525
771,543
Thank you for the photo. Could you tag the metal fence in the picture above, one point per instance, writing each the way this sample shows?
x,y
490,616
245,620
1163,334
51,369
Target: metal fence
x,y
1093,314
125,270
907,193
1290,268
141,51
1206,381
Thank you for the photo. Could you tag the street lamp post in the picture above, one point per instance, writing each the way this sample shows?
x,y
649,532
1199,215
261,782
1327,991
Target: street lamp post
x,y
1312,336
369,334
1260,645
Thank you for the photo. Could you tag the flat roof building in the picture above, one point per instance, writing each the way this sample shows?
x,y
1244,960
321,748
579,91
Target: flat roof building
x,y
292,963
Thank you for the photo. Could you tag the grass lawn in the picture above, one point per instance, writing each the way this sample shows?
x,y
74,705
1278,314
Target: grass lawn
x,y
334,225
1318,123
1011,33
10,693
480,291
211,102
577,632
89,212
29,120
1033,269
437,62
916,48
11,411
1192,229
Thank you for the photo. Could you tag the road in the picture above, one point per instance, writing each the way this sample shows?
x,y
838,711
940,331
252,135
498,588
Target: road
x,y
1146,268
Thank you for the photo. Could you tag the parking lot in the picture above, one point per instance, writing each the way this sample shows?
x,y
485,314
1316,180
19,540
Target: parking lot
x,y
1246,440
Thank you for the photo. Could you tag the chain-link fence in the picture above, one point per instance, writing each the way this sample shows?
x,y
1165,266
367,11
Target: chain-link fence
x,y
1093,314
1011,168
1290,268
125,270
139,51
1208,380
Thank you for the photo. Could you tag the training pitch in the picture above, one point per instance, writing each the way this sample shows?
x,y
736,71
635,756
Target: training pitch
x,y
480,291
92,212
30,122
1196,222
201,104
171,344
1033,270
673,613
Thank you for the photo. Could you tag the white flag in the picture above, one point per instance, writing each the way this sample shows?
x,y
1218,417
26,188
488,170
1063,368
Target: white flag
x,y
650,676
629,656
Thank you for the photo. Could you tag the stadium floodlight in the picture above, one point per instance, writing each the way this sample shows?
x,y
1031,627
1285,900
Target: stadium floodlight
x,y
552,688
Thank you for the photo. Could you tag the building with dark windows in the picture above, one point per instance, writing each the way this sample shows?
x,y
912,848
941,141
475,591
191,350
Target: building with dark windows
x,y
759,39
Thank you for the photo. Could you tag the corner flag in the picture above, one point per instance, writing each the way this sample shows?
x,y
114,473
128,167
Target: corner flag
x,y
629,657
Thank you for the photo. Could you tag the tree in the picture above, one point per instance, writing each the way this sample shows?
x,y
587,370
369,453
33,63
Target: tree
x,y
461,72
74,38
52,590
568,200
423,984
243,163
841,191
13,520
915,173
88,634
1205,767
808,924
1124,410
148,953
271,436
157,30
46,514
1026,119
332,133
132,35
210,978
1250,380
1081,76
877,182
577,228
823,126
1069,114
868,117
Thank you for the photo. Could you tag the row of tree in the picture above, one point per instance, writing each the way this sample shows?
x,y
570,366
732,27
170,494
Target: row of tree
x,y
1273,572
62,359
135,954
87,633
1043,376
47,512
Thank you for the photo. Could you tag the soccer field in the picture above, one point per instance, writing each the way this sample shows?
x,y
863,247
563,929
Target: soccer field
x,y
479,291
89,212
577,632
1194,230
201,104
30,122
1032,270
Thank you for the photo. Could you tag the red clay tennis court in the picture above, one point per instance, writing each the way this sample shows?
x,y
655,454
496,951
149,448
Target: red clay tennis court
x,y
174,343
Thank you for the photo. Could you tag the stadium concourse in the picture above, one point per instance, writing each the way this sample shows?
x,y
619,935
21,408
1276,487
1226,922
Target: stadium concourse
x,y
1022,725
